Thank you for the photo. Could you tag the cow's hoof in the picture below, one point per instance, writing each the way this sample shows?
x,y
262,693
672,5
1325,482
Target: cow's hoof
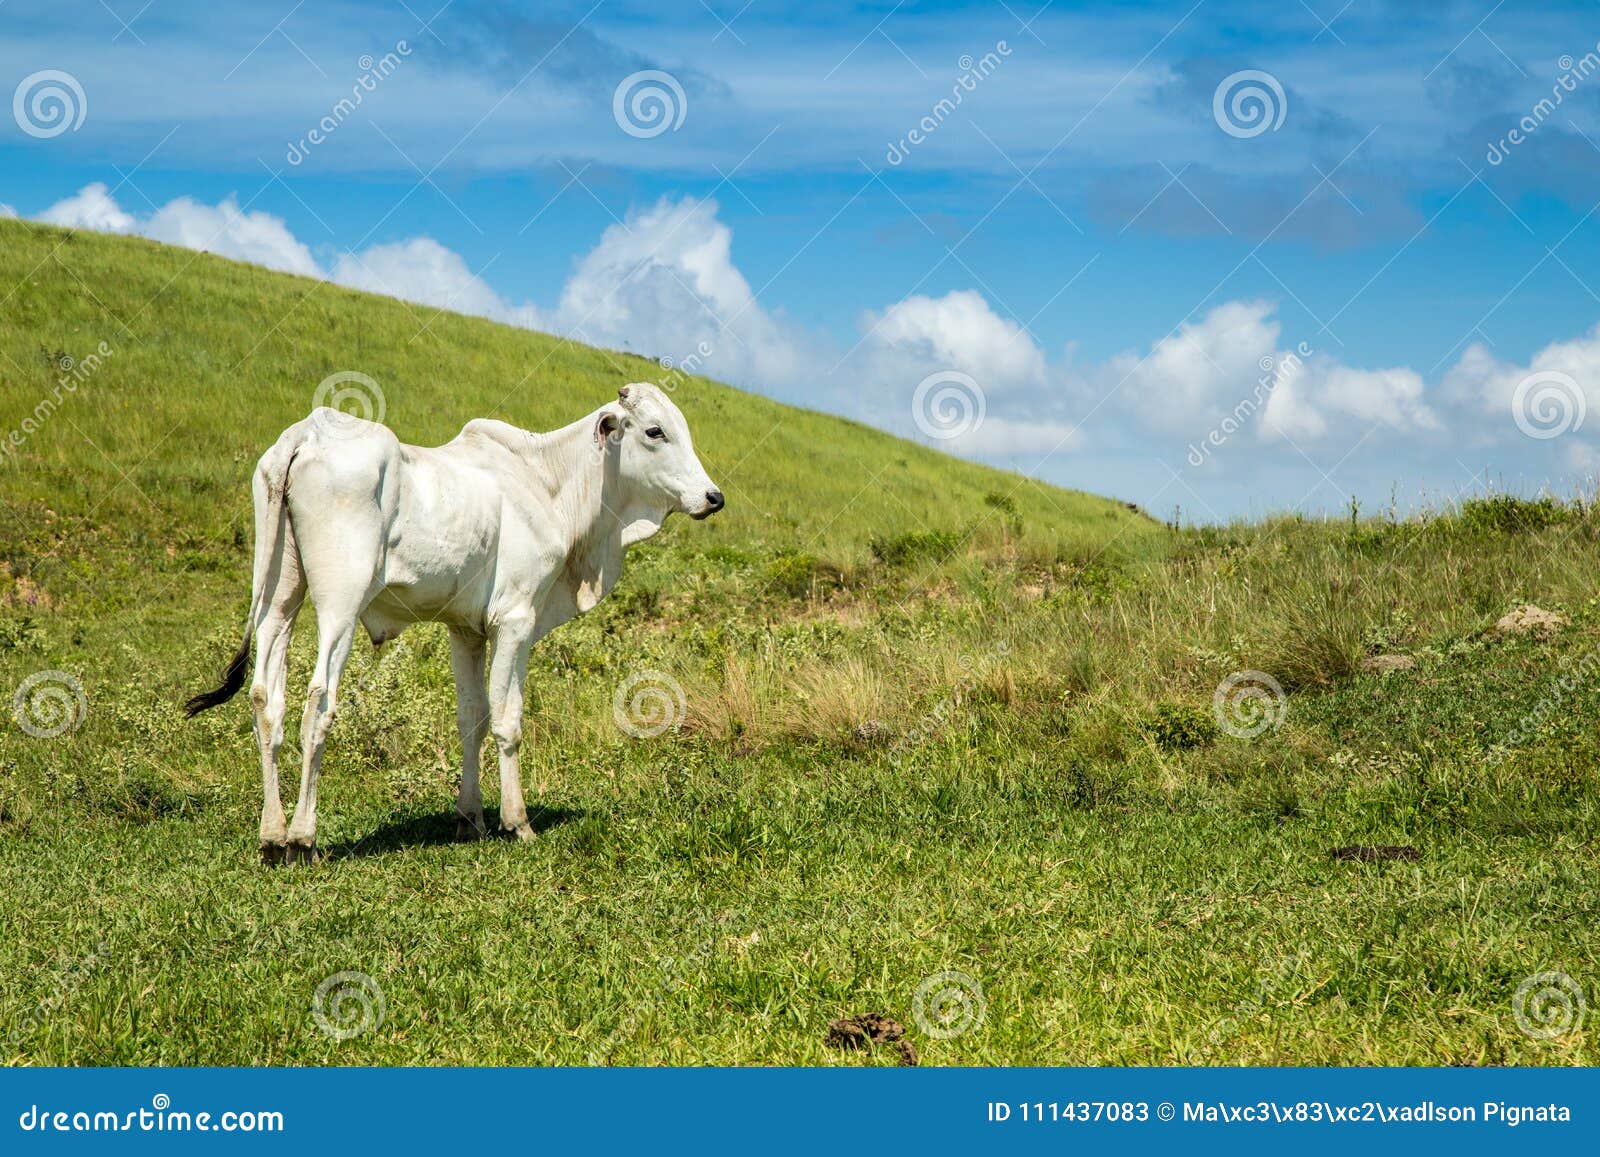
x,y
301,852
272,854
468,829
523,831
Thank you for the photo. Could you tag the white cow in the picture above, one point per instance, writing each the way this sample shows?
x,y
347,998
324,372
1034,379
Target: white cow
x,y
500,533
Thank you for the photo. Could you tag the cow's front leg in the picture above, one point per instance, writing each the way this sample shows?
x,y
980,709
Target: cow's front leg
x,y
508,670
472,721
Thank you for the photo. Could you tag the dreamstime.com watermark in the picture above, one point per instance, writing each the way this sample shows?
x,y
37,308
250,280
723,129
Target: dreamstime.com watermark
x,y
973,671
947,404
71,374
948,1004
28,1023
648,703
1547,404
348,1004
973,73
1248,103
1275,371
159,1117
1577,674
48,103
344,396
1572,71
373,72
50,704
648,103
679,370
1249,703
1548,1005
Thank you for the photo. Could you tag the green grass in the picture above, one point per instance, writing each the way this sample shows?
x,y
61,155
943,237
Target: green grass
x,y
1041,799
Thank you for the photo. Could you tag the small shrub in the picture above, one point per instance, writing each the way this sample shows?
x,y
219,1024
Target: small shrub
x,y
915,546
1396,631
1178,727
728,555
1007,506
798,575
1508,514
19,634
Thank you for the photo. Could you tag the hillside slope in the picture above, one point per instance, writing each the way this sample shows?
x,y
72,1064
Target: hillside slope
x,y
208,359
929,736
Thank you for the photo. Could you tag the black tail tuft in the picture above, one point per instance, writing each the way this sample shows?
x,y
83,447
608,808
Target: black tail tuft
x,y
231,682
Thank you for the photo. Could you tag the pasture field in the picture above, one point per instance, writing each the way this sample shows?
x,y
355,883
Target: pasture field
x,y
936,728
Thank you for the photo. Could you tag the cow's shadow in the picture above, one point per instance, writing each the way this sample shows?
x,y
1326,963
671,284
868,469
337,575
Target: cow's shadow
x,y
436,828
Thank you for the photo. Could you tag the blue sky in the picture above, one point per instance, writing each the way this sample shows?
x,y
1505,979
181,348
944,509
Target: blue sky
x,y
1225,257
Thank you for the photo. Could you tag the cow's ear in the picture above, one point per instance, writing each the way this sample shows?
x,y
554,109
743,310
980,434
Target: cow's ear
x,y
607,428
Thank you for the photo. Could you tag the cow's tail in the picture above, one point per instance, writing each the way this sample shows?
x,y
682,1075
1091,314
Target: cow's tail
x,y
271,485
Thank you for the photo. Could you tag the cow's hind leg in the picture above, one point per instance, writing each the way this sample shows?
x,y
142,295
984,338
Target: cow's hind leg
x,y
467,650
336,630
269,694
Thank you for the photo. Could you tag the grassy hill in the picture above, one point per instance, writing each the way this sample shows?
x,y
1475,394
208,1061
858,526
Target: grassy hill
x,y
936,729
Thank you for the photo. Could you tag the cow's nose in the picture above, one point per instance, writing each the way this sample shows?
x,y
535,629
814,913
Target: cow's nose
x,y
714,501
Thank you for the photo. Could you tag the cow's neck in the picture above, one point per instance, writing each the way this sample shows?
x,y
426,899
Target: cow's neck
x,y
584,481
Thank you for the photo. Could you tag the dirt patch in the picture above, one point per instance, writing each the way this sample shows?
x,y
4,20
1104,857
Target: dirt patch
x,y
1383,664
1529,619
1371,853
21,591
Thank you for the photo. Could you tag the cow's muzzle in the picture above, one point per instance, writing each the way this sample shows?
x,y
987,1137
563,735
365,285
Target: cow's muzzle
x,y
714,503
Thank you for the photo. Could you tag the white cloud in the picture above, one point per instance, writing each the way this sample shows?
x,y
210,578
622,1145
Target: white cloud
x,y
1479,381
1228,367
6,210
1000,439
92,207
663,282
1308,401
226,230
1193,376
1581,457
956,332
423,271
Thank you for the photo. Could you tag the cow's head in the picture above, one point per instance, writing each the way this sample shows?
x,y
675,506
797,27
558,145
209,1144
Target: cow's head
x,y
657,471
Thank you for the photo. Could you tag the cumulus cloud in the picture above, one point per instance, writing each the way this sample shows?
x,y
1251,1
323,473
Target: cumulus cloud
x,y
663,283
92,207
1566,374
423,271
1228,367
1311,399
958,331
227,231
1194,374
1007,440
6,210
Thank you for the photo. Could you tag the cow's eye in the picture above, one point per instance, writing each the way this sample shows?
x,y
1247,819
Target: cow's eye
x,y
655,432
